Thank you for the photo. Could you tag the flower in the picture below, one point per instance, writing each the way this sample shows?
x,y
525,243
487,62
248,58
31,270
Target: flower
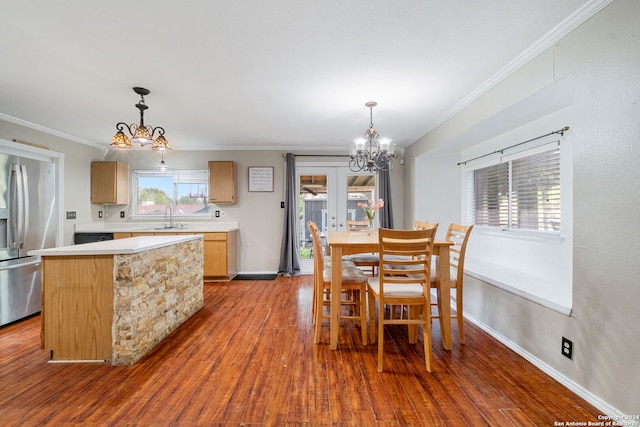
x,y
371,208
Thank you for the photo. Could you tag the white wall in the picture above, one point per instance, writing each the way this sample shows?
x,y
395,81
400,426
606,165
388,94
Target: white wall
x,y
601,60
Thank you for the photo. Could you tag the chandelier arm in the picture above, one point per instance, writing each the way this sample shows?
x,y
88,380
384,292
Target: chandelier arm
x,y
353,165
152,131
121,125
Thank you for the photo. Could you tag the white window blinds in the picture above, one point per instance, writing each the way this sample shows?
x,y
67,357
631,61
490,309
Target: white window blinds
x,y
535,192
519,194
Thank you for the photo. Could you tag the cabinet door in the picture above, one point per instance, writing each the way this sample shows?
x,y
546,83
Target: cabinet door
x,y
215,254
109,183
215,258
222,182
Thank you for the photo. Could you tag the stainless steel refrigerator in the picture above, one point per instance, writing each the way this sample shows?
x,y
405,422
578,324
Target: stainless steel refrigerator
x,y
28,221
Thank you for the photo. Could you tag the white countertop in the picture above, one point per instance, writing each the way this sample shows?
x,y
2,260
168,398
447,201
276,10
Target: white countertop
x,y
127,246
157,227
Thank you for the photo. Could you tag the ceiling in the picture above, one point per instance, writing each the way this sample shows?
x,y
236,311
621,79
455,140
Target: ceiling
x,y
276,74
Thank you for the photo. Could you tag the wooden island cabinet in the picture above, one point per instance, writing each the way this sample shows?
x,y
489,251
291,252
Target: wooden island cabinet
x,y
113,301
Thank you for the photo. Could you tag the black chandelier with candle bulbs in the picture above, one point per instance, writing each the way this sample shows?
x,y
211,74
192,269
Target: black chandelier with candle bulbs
x,y
370,154
140,133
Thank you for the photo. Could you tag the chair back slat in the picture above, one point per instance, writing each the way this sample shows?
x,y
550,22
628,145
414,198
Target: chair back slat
x,y
357,226
459,235
405,255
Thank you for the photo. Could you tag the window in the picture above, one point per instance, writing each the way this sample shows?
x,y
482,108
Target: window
x,y
185,191
522,192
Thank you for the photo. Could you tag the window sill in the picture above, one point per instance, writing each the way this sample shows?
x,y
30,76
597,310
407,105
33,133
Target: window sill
x,y
550,293
534,236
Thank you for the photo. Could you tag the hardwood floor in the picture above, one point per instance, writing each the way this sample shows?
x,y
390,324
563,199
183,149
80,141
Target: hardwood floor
x,y
248,358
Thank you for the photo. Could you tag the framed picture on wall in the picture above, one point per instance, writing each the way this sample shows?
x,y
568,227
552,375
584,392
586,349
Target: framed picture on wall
x,y
260,178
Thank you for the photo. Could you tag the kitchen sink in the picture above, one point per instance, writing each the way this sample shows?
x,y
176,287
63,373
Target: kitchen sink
x,y
167,228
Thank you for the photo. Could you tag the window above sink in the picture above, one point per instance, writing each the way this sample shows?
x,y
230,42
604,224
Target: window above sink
x,y
182,192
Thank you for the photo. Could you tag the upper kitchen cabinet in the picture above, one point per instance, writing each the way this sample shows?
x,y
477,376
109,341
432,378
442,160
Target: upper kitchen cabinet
x,y
222,182
109,183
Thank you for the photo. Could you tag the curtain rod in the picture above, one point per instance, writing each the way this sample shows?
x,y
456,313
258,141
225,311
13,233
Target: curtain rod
x,y
560,132
317,155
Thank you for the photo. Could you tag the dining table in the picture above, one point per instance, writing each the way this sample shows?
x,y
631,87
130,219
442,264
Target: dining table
x,y
341,243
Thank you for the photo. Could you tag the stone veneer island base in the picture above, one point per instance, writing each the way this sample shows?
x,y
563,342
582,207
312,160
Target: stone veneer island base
x,y
113,301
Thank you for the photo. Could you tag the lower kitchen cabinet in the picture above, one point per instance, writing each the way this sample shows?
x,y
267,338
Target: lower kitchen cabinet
x,y
221,255
220,252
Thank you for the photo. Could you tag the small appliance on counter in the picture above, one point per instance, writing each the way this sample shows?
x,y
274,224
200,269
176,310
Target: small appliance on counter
x,y
28,221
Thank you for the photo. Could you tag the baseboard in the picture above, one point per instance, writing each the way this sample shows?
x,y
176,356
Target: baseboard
x,y
261,276
594,400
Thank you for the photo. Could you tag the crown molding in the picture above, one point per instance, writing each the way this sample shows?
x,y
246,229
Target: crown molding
x,y
50,131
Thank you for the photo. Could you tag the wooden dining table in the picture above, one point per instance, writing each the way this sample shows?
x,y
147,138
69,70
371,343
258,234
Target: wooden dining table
x,y
342,243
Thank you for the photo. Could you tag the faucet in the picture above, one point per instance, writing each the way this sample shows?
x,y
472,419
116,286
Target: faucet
x,y
168,208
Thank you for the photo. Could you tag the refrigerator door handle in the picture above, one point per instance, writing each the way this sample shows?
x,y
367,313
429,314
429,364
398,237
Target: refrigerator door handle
x,y
15,208
25,205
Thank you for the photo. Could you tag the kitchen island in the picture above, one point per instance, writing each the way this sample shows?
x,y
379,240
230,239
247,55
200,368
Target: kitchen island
x,y
113,301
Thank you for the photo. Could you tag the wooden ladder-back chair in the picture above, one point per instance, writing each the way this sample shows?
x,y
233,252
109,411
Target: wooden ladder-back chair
x,y
363,260
459,235
417,225
403,279
354,288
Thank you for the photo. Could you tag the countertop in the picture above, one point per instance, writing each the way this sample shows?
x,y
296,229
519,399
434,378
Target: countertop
x,y
157,227
127,246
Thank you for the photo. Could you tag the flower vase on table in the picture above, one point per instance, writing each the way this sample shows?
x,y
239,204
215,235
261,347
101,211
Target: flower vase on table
x,y
370,210
371,230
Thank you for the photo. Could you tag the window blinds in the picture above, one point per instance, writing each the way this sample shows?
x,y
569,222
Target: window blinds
x,y
522,194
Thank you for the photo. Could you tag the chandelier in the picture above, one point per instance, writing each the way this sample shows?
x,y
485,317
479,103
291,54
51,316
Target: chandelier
x,y
370,154
140,133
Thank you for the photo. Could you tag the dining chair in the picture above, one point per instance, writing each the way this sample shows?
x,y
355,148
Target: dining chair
x,y
459,235
417,225
403,280
353,288
365,260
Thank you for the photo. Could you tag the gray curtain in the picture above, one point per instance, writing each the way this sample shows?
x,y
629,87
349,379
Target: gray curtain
x,y
289,265
384,192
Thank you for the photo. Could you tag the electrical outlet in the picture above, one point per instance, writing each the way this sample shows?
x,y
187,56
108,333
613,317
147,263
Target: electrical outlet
x,y
121,214
71,214
99,214
217,214
281,205
567,348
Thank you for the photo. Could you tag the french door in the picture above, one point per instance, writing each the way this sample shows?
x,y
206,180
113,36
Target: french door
x,y
328,196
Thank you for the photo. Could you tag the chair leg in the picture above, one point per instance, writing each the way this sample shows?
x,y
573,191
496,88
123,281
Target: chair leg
x,y
426,332
314,295
413,329
319,301
372,317
459,316
380,336
363,315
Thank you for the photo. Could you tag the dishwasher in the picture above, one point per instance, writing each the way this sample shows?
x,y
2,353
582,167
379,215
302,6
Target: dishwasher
x,y
79,238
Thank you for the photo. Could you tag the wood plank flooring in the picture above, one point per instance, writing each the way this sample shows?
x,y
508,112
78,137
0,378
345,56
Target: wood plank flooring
x,y
247,358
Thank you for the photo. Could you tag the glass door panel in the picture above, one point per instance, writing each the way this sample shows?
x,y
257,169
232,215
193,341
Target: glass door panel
x,y
360,189
314,205
328,196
